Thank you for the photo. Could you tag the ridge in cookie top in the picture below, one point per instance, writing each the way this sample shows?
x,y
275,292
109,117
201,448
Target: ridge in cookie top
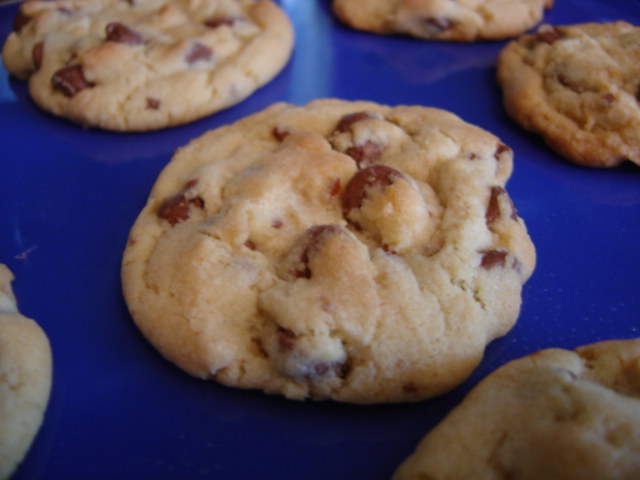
x,y
447,20
338,250
145,64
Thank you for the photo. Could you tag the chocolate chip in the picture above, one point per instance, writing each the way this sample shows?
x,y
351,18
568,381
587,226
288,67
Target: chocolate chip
x,y
19,21
120,33
175,209
153,103
365,154
198,52
250,245
312,239
348,120
36,54
548,34
356,190
410,387
70,80
493,209
493,258
500,150
279,133
220,21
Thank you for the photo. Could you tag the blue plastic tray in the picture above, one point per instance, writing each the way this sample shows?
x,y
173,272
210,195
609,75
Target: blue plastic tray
x,y
68,197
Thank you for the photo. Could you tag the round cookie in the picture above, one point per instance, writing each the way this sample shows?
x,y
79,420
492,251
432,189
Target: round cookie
x,y
339,250
145,64
25,378
577,86
555,414
452,20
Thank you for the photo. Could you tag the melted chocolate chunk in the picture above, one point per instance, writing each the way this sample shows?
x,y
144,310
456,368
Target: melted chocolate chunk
x,y
375,175
365,154
197,53
548,34
493,209
175,209
120,33
501,149
70,80
36,54
313,237
153,103
279,133
19,21
348,120
220,21
493,258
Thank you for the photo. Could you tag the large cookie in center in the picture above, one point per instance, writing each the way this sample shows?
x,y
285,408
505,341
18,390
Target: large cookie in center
x,y
339,250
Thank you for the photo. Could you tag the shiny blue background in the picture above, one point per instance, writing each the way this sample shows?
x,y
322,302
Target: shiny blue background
x,y
68,197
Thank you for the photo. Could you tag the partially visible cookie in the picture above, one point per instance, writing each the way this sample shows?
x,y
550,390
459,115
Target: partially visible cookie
x,y
338,250
146,64
453,20
25,378
555,414
578,87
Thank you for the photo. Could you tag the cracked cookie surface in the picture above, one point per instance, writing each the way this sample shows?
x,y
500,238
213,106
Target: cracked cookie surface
x,y
578,87
25,378
453,20
555,414
339,250
145,64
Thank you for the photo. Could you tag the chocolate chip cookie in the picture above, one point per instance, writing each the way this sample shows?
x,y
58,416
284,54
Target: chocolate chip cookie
x,y
339,250
145,64
556,414
578,87
25,378
453,20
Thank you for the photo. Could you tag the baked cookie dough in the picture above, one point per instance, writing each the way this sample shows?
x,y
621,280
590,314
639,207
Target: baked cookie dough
x,y
25,378
556,414
577,86
339,250
145,64
453,20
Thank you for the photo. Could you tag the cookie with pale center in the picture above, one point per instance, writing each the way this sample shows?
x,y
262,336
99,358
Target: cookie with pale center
x,y
339,250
